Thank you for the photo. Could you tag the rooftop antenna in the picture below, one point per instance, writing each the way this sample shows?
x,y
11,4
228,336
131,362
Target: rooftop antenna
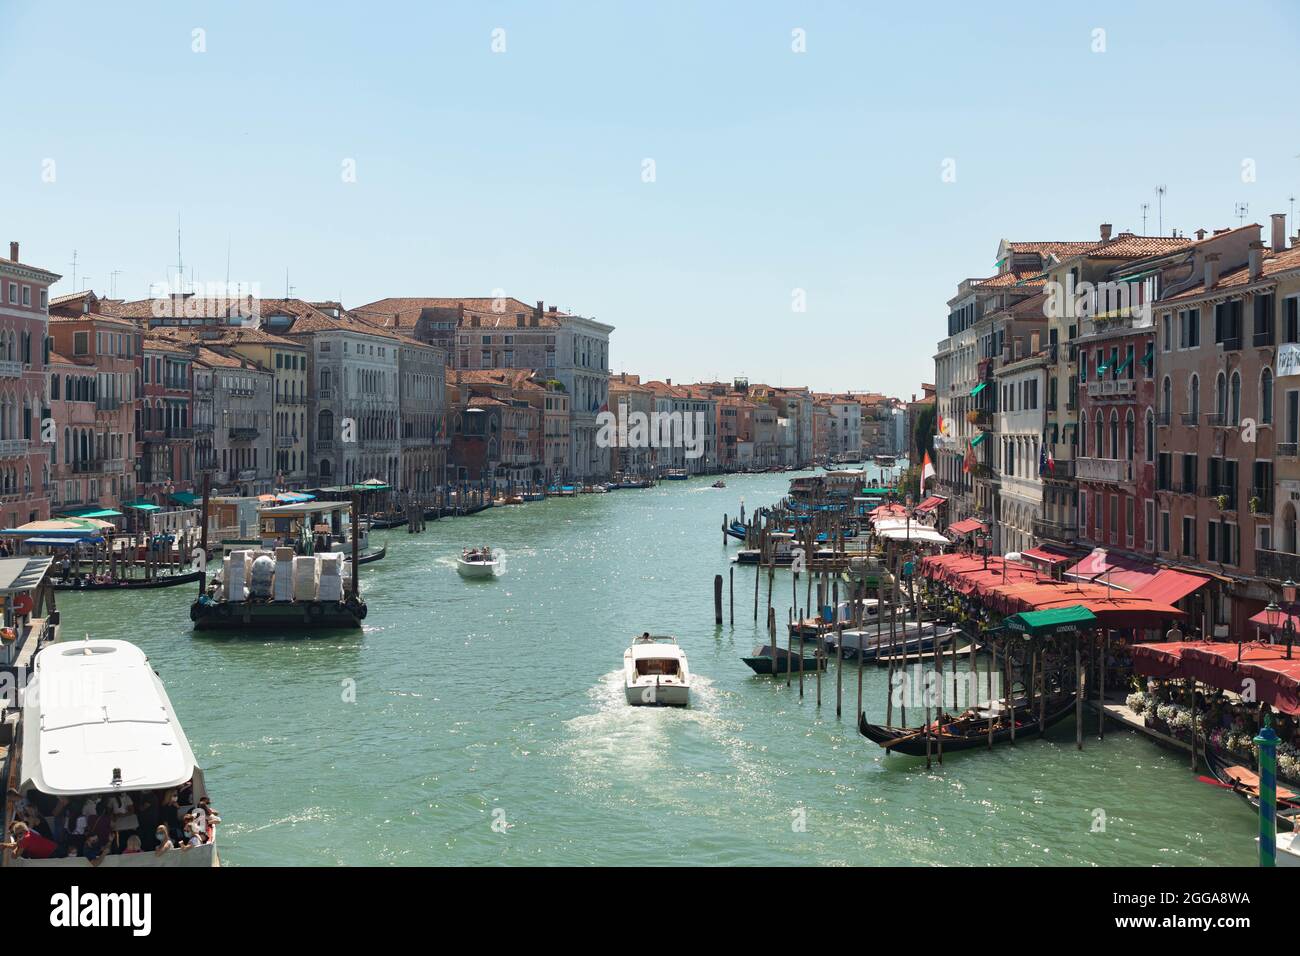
x,y
112,283
180,261
1291,200
75,287
1240,211
1160,208
227,263
1145,207
288,289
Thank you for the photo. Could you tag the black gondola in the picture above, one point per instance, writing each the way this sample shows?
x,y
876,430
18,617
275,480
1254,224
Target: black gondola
x,y
128,584
967,731
1231,773
373,556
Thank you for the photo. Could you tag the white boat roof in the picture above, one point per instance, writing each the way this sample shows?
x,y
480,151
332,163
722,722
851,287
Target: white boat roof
x,y
96,707
657,646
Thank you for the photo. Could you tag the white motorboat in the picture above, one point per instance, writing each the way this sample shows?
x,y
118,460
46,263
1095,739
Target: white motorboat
x,y
477,563
97,723
655,672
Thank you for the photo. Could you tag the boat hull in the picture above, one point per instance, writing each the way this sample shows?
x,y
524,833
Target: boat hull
x,y
475,570
276,615
662,695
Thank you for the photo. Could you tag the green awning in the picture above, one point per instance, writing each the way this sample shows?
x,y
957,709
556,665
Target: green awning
x,y
1151,353
1140,275
1101,369
977,439
185,498
366,487
1122,367
1057,620
95,513
143,506
977,389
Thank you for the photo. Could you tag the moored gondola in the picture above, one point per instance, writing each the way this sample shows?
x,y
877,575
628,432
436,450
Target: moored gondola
x,y
969,730
1233,775
127,584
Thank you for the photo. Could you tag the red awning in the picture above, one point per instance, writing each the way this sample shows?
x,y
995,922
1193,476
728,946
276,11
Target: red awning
x,y
1262,620
1159,660
1113,569
966,526
1227,666
1042,554
929,504
1170,587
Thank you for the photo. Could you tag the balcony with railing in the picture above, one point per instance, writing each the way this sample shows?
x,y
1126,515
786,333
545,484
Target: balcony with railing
x,y
1104,469
979,416
14,447
1278,565
1054,530
1112,388
1162,417
243,433
286,441
1261,501
1287,449
1216,420
1190,418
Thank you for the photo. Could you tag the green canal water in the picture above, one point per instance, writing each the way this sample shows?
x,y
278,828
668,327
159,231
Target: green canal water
x,y
484,723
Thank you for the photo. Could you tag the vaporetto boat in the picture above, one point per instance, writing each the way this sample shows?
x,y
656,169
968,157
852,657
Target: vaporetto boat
x,y
97,723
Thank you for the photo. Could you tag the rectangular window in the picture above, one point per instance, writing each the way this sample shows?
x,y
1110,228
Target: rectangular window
x,y
27,295
1083,510
1164,531
1189,536
1291,319
1263,319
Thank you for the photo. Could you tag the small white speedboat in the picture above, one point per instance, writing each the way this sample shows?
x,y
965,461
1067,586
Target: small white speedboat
x,y
655,672
477,563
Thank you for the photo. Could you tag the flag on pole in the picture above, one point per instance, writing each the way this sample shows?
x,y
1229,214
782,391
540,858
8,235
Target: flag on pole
x,y
927,471
1046,463
968,463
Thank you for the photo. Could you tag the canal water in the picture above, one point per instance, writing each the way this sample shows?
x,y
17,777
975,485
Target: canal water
x,y
483,722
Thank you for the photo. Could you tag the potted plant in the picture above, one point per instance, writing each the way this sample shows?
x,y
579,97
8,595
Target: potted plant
x,y
1222,501
1255,504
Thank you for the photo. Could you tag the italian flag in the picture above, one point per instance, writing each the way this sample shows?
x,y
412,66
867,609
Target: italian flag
x,y
927,470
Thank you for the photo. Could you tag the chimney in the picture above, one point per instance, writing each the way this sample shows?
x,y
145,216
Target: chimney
x,y
1256,259
539,310
1200,234
1211,270
553,310
460,313
1279,232
13,252
1105,232
668,381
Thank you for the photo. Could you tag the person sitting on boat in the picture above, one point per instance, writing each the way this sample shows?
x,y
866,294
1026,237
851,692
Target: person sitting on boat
x,y
28,844
163,839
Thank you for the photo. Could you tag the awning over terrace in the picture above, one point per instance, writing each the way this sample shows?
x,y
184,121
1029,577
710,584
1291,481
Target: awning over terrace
x,y
965,526
1227,666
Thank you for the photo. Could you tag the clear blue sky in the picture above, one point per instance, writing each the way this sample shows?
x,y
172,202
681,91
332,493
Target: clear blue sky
x,y
522,170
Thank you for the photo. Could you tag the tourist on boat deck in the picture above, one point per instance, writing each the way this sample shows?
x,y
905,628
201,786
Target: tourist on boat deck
x,y
93,850
29,844
163,840
133,844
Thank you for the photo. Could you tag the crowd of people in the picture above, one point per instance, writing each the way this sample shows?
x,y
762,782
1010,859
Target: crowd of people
x,y
99,825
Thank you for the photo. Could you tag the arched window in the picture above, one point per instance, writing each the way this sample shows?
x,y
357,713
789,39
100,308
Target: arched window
x,y
1266,397
1166,399
1194,399
1129,425
1099,445
1221,397
1114,433
325,426
1151,436
1234,407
